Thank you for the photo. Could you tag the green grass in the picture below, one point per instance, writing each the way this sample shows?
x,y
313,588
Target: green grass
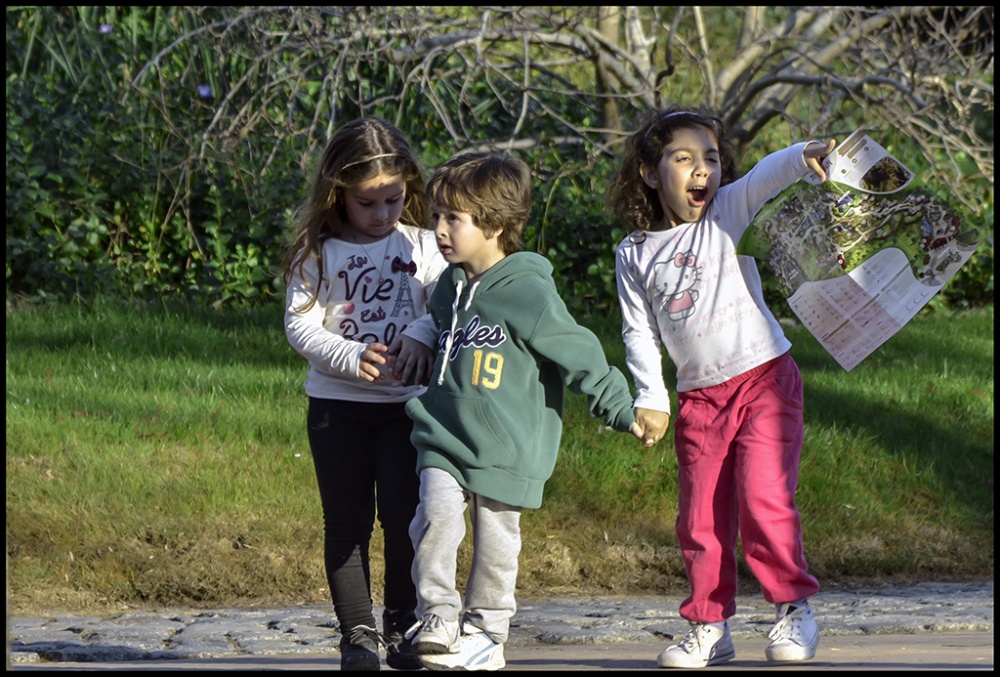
x,y
157,456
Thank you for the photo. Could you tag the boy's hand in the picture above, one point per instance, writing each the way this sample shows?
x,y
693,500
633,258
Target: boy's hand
x,y
412,361
652,425
814,154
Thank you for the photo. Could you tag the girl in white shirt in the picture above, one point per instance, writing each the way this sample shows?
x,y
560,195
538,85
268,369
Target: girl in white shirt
x,y
738,434
359,272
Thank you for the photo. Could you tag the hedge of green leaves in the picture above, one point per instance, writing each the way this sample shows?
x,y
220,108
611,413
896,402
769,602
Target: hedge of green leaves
x,y
105,197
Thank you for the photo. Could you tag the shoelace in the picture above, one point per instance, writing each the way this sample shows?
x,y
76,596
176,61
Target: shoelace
x,y
415,628
430,623
359,632
788,626
692,640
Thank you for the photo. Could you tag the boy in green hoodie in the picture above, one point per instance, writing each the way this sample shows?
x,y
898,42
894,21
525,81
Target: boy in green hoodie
x,y
488,428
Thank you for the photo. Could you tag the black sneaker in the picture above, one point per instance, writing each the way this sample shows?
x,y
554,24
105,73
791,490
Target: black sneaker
x,y
359,649
398,651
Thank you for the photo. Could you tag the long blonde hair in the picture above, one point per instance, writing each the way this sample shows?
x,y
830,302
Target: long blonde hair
x,y
359,151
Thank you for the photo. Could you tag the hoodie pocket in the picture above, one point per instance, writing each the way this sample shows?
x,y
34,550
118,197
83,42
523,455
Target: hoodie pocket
x,y
463,427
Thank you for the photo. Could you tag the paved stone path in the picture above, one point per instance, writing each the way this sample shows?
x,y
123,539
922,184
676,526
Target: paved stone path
x,y
184,634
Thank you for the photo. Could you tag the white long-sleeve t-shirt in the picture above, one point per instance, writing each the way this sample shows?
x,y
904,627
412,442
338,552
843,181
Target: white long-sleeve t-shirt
x,y
370,292
687,289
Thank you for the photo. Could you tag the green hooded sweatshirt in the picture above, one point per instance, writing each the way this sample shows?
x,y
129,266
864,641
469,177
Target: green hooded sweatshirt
x,y
507,350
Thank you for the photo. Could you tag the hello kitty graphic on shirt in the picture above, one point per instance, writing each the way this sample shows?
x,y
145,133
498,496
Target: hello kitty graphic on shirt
x,y
674,281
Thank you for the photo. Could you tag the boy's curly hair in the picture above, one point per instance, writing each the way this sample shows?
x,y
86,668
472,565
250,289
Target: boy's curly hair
x,y
634,204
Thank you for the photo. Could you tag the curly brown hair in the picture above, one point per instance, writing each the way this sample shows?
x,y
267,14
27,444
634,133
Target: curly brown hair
x,y
634,204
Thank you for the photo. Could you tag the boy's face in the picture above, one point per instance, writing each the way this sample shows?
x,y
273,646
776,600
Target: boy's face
x,y
687,176
461,241
373,207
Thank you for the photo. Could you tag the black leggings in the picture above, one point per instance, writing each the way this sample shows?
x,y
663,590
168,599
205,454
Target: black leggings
x,y
364,460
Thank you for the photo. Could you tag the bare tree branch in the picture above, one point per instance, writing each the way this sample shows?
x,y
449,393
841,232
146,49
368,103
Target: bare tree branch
x,y
574,77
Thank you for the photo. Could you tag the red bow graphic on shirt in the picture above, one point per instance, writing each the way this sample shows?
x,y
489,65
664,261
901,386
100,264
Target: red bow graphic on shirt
x,y
399,265
682,260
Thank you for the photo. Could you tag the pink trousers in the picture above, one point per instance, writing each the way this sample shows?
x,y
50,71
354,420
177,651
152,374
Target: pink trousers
x,y
738,447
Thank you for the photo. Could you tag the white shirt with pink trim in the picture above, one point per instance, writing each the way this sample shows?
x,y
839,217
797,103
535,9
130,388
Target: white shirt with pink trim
x,y
688,290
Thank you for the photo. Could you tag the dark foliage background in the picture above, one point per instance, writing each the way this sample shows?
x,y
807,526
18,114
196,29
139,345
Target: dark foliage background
x,y
161,152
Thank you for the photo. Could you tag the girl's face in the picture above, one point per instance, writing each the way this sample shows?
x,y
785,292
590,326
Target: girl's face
x,y
373,207
462,241
686,177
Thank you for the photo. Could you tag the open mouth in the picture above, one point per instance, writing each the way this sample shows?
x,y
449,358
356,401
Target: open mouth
x,y
696,196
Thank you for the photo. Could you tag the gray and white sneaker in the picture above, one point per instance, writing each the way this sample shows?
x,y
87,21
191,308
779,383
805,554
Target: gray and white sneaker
x,y
795,636
703,645
479,651
433,635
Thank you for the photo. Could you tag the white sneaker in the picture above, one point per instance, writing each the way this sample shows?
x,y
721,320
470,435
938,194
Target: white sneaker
x,y
795,636
478,652
703,645
433,635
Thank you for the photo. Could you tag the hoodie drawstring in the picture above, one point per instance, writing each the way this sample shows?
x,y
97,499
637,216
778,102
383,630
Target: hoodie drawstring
x,y
472,292
450,341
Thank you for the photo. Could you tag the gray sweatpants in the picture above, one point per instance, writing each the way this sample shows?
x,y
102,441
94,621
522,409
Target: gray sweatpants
x,y
437,530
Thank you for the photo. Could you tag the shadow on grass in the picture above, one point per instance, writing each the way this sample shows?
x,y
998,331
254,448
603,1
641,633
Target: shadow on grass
x,y
916,358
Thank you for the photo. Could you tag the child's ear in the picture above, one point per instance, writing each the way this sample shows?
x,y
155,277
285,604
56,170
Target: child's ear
x,y
650,176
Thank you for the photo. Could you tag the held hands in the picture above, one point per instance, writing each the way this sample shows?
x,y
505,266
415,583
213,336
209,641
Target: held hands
x,y
405,361
650,425
814,154
374,363
412,361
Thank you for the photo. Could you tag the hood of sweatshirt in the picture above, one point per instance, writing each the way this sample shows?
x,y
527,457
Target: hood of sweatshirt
x,y
507,350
